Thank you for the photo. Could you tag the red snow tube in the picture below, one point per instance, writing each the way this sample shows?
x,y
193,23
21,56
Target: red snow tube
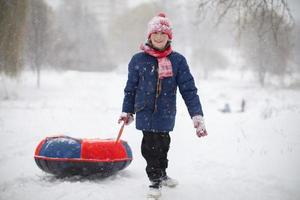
x,y
65,156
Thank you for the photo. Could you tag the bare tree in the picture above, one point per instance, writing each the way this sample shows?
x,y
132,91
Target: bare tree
x,y
263,52
37,35
296,55
78,42
12,23
264,27
241,10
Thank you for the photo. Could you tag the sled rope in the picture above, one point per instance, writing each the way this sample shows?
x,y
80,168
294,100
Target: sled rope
x,y
120,132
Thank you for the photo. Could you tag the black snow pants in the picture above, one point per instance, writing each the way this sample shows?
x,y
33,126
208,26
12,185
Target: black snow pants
x,y
155,147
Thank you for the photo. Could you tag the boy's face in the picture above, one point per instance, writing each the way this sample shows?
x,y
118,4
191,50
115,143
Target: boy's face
x,y
159,40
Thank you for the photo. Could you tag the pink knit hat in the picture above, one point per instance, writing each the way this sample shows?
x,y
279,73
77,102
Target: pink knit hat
x,y
160,23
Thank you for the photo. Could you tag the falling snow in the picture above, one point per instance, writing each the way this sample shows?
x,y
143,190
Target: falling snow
x,y
247,155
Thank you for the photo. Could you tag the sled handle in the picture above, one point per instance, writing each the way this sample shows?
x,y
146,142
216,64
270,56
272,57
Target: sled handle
x,y
120,132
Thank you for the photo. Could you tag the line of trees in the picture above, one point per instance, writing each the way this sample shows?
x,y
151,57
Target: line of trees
x,y
265,52
70,37
33,34
79,43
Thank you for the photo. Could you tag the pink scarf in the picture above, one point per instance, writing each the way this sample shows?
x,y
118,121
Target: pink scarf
x,y
164,63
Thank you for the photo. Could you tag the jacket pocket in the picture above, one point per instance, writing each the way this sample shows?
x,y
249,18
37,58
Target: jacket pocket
x,y
169,102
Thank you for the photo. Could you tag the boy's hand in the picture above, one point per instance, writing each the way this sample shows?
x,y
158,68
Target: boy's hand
x,y
126,117
199,125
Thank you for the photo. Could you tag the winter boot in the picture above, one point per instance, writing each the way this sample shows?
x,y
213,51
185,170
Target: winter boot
x,y
154,192
169,182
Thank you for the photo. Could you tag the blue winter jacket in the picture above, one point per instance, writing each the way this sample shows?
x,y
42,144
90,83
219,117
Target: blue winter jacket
x,y
157,114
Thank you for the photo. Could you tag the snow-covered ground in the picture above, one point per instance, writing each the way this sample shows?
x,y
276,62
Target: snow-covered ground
x,y
253,155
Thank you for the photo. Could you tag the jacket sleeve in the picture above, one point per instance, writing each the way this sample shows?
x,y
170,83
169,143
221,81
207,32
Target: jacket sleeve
x,y
188,89
130,88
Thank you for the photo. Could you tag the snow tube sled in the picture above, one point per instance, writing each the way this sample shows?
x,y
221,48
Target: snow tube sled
x,y
65,156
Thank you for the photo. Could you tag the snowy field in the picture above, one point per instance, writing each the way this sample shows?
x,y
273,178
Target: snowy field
x,y
253,155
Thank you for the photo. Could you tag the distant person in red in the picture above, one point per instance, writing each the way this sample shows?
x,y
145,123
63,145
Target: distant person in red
x,y
153,77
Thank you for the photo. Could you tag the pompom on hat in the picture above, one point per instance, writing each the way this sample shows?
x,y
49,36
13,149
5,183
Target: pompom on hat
x,y
160,23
